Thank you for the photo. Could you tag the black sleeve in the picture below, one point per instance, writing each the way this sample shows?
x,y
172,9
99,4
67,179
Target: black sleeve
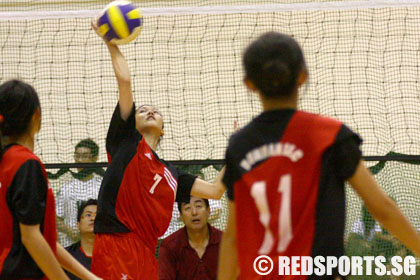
x,y
345,153
231,172
120,129
27,194
185,183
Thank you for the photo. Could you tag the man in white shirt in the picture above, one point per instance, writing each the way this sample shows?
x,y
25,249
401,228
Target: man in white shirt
x,y
85,186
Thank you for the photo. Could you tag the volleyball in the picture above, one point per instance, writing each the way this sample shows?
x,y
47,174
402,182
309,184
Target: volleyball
x,y
120,22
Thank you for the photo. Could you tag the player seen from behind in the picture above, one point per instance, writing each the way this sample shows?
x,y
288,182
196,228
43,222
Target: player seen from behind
x,y
28,235
285,173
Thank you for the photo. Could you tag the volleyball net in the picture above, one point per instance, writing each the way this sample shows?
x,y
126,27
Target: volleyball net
x,y
362,58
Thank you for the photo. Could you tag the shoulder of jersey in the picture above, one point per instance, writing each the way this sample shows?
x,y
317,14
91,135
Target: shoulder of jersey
x,y
240,133
319,118
22,154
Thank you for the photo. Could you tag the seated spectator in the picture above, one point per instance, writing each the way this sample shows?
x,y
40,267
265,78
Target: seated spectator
x,y
82,250
191,252
176,222
85,186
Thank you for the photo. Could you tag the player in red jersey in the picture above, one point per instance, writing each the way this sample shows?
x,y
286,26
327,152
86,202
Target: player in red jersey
x,y
285,173
139,189
28,248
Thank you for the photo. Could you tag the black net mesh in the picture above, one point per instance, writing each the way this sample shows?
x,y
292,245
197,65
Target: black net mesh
x,y
362,64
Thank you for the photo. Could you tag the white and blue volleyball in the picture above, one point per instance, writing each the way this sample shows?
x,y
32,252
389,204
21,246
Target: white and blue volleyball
x,y
120,22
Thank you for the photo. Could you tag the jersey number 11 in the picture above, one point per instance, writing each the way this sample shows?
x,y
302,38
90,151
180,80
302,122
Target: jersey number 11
x,y
259,193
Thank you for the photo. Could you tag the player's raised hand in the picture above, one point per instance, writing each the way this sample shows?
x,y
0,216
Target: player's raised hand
x,y
235,126
113,48
122,73
95,27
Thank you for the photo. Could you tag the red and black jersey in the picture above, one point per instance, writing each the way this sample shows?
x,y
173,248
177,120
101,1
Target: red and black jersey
x,y
286,172
139,189
25,198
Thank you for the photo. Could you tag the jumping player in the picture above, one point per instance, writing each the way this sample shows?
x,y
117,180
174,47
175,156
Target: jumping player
x,y
139,189
28,247
285,173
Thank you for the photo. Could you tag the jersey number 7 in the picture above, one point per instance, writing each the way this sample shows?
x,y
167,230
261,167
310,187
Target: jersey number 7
x,y
259,193
157,179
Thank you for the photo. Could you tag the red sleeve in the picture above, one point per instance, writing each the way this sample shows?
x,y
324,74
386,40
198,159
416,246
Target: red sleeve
x,y
167,265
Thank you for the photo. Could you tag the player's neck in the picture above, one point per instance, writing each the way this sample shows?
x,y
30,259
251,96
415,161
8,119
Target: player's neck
x,y
151,140
86,243
279,104
24,140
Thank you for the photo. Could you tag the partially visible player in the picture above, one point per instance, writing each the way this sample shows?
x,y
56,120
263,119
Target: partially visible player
x,y
285,173
28,247
139,189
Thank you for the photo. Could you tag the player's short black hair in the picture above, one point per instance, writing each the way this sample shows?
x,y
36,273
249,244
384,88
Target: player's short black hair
x,y
90,144
273,63
83,205
206,202
18,103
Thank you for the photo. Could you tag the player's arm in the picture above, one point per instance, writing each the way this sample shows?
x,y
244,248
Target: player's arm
x,y
28,198
384,209
122,73
208,190
228,254
72,265
40,251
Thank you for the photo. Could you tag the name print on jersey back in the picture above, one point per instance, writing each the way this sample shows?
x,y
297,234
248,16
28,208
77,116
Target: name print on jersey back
x,y
288,150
